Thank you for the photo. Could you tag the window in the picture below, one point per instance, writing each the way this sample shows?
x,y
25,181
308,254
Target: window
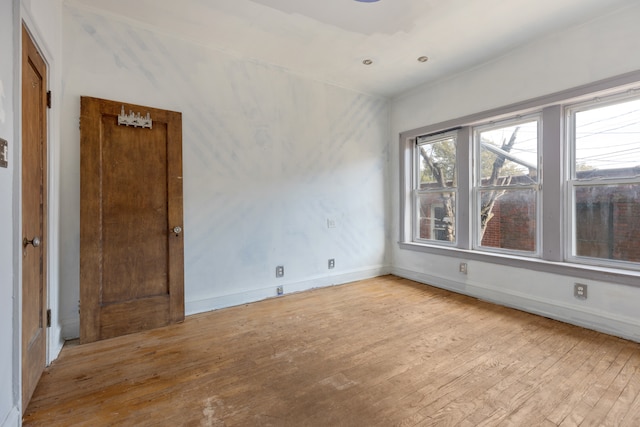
x,y
435,188
507,185
549,184
604,182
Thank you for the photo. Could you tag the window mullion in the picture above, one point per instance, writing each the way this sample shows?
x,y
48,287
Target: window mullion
x,y
465,198
552,204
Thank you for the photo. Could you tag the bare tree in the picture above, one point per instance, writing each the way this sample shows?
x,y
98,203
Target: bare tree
x,y
488,201
448,202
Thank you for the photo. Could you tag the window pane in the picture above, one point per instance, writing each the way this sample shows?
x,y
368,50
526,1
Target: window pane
x,y
607,223
608,141
508,219
436,216
437,163
509,155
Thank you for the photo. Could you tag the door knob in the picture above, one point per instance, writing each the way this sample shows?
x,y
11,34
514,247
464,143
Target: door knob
x,y
177,229
35,242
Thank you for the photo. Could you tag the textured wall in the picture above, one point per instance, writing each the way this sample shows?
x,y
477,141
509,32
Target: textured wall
x,y
268,157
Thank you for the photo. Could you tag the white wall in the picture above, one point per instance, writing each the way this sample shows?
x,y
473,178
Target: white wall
x,y
8,391
602,48
268,157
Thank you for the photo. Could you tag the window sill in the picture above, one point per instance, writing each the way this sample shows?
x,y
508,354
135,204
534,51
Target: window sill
x,y
597,273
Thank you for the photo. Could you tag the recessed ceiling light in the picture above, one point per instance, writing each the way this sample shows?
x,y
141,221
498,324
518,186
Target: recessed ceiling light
x,y
367,1
367,61
423,59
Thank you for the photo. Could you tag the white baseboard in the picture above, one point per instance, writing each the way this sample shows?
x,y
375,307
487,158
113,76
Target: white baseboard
x,y
12,419
56,342
209,304
609,323
70,329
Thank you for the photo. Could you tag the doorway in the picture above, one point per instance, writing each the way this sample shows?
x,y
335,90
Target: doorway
x,y
34,216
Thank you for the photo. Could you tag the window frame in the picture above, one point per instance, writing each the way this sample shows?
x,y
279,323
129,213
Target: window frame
x,y
554,223
573,182
417,191
478,187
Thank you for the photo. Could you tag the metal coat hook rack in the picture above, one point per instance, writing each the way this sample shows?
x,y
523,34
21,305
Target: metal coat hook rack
x,y
134,119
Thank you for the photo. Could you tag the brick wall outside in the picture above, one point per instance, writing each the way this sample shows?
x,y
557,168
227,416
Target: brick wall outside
x,y
492,235
518,226
607,223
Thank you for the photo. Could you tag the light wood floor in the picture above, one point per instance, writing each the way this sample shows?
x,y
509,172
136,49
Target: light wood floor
x,y
380,352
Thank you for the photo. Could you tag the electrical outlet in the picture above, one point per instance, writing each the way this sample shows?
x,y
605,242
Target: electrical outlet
x,y
331,223
580,291
332,263
280,271
463,268
280,290
4,153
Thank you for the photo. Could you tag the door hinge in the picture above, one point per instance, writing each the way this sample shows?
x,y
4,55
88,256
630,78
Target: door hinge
x,y
48,318
48,99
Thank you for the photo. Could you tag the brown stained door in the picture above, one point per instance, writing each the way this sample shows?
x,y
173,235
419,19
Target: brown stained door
x,y
34,220
131,239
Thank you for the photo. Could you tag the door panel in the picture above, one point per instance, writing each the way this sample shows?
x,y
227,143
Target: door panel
x,y
131,262
130,250
34,221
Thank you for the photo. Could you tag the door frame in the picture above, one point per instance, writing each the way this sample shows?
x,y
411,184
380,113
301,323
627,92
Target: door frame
x,y
25,20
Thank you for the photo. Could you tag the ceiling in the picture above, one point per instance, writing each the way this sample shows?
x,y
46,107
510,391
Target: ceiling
x,y
328,40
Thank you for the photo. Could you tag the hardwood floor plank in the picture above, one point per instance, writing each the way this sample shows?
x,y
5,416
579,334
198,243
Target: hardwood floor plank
x,y
575,386
379,352
597,388
509,393
411,388
632,418
625,401
546,389
454,400
505,369
614,403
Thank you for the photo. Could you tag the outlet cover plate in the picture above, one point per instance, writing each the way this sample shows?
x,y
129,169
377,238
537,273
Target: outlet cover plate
x,y
463,268
580,291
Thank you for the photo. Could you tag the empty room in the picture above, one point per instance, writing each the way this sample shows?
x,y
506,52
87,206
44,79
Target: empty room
x,y
320,213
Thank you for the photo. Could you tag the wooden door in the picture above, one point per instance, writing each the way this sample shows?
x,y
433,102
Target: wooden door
x,y
34,218
131,247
